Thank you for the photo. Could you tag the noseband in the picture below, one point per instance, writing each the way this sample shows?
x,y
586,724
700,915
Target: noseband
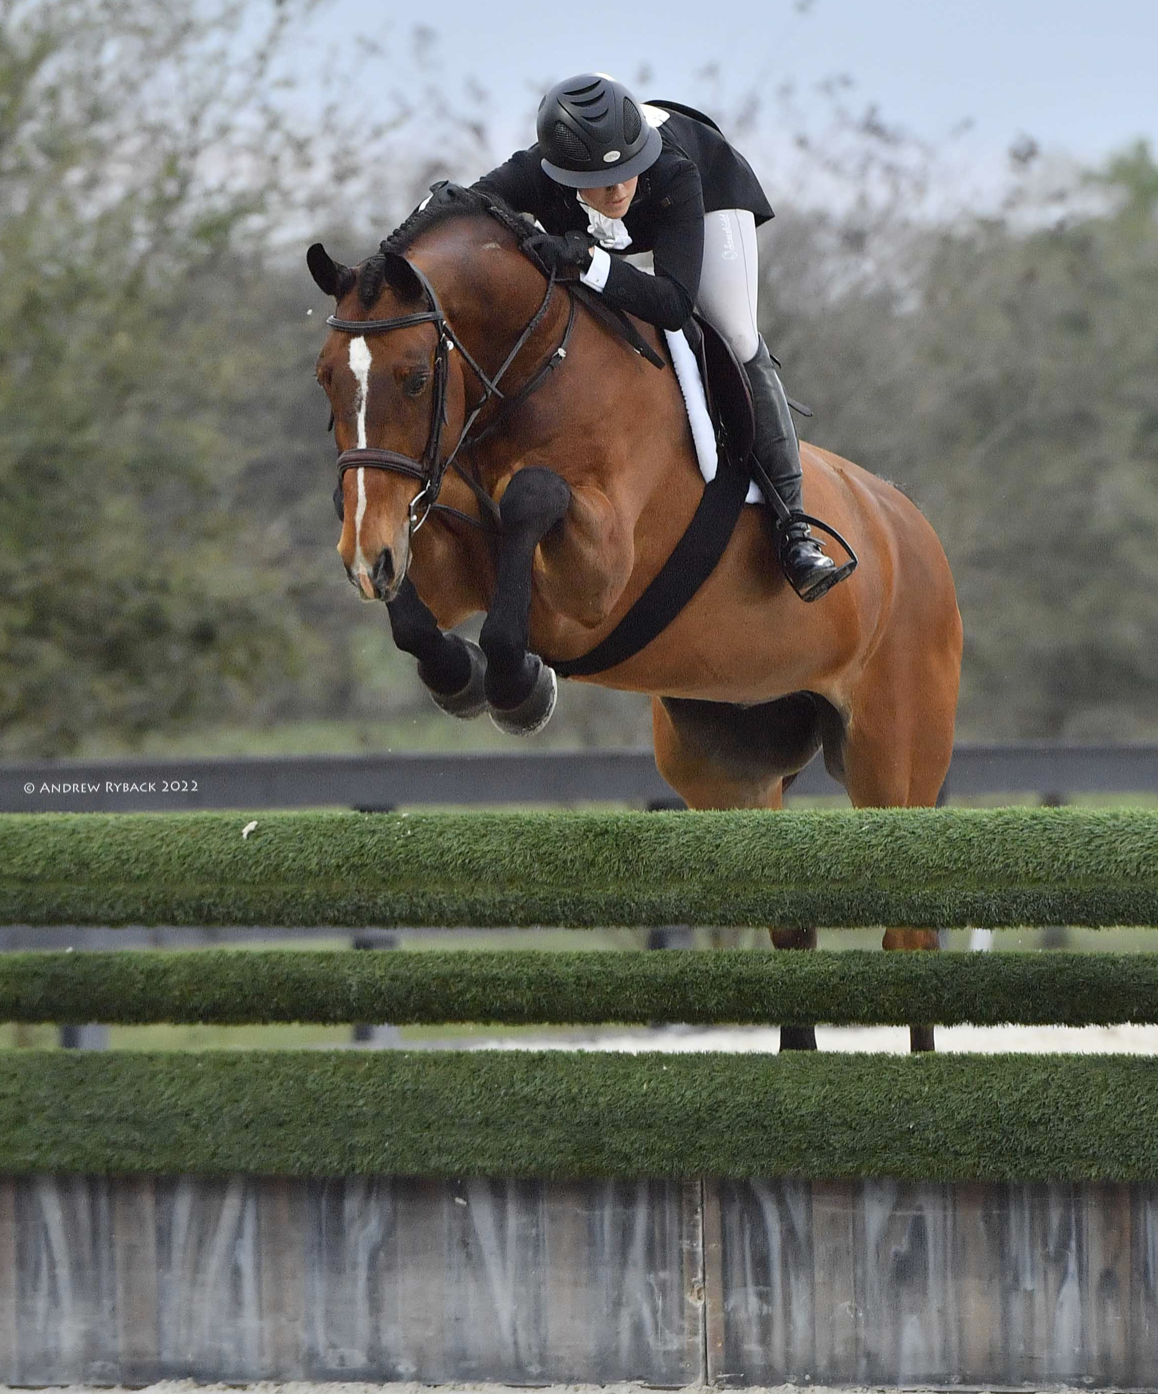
x,y
430,470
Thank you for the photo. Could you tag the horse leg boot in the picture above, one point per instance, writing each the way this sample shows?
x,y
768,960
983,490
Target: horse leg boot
x,y
520,688
809,572
453,669
795,1037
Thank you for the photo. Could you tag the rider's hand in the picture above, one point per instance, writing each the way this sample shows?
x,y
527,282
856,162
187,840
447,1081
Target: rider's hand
x,y
568,256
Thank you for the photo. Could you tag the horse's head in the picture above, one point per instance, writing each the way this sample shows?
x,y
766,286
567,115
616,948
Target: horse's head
x,y
392,394
397,390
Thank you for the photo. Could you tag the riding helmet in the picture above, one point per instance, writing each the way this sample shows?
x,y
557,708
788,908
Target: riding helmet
x,y
592,132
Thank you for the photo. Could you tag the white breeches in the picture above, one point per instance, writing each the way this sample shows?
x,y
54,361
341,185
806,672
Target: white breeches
x,y
729,282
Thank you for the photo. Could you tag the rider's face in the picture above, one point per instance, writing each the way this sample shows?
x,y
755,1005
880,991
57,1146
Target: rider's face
x,y
614,200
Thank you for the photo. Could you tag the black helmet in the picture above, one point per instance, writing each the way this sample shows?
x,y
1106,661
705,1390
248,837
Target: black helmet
x,y
593,132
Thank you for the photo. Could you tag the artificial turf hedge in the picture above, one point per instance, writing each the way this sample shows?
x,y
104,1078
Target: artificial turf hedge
x,y
916,867
558,1114
233,987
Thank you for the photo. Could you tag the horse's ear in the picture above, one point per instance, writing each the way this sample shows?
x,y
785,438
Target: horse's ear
x,y
331,276
400,276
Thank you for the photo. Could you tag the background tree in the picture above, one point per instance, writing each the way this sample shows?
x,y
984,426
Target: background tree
x,y
1003,371
166,536
129,601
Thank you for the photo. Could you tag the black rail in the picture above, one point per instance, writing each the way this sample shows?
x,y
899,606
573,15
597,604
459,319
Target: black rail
x,y
626,776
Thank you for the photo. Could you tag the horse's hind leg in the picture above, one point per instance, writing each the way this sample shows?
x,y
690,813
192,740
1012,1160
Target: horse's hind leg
x,y
895,752
720,756
452,668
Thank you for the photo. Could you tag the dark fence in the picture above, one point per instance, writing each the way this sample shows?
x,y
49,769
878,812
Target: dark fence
x,y
1048,771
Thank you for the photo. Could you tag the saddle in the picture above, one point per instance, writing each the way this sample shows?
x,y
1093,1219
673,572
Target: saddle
x,y
726,387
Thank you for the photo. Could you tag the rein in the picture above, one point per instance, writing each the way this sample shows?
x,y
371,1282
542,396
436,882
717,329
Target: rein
x,y
430,470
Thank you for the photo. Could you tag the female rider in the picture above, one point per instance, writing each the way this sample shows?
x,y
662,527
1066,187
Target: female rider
x,y
609,174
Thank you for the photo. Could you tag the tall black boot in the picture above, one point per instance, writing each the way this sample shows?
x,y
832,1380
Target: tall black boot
x,y
809,571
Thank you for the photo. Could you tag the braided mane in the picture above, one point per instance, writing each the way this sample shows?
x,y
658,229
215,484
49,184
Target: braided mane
x,y
447,201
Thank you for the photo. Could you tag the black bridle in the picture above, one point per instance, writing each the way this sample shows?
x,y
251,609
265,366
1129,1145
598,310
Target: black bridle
x,y
430,469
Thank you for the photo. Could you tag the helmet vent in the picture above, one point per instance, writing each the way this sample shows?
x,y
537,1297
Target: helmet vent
x,y
632,121
570,146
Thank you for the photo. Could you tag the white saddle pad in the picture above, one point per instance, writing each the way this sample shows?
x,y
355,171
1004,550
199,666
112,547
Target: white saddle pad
x,y
696,403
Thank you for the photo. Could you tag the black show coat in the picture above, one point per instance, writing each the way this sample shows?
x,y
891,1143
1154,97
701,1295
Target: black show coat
x,y
697,172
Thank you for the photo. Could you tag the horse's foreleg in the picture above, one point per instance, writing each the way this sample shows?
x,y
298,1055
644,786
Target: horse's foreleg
x,y
795,1037
582,569
453,669
520,688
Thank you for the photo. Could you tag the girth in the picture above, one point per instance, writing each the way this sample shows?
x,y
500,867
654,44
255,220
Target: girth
x,y
696,554
692,561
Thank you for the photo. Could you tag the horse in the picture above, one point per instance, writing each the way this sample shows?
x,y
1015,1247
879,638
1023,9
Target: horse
x,y
573,477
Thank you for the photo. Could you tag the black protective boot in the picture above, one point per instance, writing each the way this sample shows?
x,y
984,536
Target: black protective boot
x,y
809,571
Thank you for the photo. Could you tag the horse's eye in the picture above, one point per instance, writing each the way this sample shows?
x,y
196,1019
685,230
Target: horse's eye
x,y
414,383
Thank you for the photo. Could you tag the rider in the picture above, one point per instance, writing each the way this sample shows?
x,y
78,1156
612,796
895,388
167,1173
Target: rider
x,y
609,173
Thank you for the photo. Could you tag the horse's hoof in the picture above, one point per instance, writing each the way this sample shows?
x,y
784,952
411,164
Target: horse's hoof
x,y
534,711
471,699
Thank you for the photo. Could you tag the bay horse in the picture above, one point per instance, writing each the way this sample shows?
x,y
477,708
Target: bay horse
x,y
576,480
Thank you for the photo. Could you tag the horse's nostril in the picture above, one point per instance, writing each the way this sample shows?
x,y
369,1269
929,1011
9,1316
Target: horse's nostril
x,y
383,572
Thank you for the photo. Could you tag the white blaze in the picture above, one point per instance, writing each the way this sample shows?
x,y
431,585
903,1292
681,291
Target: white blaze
x,y
360,367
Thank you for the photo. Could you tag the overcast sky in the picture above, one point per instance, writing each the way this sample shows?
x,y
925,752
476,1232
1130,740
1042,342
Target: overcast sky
x,y
1077,76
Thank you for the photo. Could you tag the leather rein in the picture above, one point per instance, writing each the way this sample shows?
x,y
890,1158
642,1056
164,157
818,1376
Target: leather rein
x,y
430,470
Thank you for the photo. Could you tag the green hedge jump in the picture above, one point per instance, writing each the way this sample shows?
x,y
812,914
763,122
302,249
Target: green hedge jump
x,y
233,987
557,1114
915,867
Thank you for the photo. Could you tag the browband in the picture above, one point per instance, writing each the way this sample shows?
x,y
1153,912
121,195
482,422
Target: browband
x,y
380,326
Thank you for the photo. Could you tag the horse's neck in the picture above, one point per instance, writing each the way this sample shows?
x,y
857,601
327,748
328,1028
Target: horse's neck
x,y
495,292
490,292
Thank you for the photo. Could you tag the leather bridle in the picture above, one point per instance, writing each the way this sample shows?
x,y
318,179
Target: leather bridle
x,y
430,469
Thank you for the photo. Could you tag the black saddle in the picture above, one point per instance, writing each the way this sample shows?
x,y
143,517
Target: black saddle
x,y
726,388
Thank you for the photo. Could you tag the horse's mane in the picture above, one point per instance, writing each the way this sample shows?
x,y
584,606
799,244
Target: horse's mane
x,y
446,201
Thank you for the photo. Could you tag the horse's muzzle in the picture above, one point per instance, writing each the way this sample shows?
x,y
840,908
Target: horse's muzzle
x,y
380,582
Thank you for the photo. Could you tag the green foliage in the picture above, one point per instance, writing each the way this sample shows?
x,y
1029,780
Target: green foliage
x,y
1002,369
857,987
127,596
166,544
918,867
1132,175
556,1114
